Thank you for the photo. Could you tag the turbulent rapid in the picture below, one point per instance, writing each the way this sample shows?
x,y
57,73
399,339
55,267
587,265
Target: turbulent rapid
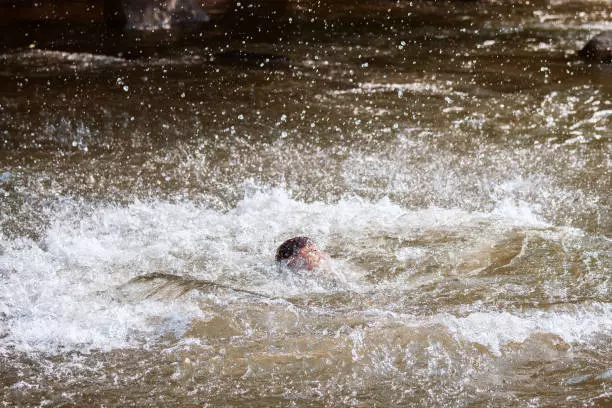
x,y
460,183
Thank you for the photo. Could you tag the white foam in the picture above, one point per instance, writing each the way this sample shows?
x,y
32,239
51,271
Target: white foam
x,y
399,88
519,212
496,329
51,306
76,59
60,293
409,253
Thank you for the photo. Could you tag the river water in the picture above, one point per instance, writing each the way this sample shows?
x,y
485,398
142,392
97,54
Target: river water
x,y
452,158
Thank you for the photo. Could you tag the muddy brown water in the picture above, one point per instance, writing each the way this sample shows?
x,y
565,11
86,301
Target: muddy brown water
x,y
452,158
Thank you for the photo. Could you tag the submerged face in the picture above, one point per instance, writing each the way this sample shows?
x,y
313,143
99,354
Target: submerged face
x,y
300,253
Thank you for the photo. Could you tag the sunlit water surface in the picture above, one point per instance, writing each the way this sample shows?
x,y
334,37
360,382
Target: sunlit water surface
x,y
453,161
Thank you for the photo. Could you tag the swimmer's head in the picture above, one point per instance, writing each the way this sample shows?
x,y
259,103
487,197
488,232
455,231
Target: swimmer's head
x,y
300,253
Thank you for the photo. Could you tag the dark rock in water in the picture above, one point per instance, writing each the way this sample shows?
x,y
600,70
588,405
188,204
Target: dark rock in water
x,y
253,59
155,14
599,48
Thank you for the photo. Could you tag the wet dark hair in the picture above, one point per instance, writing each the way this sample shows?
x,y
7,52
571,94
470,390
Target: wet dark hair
x,y
291,247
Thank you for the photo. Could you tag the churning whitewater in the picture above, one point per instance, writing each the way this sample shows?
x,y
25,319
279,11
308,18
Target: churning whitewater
x,y
77,288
